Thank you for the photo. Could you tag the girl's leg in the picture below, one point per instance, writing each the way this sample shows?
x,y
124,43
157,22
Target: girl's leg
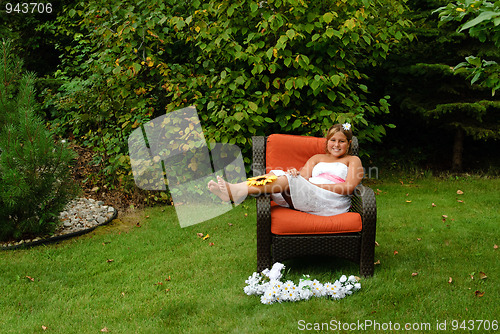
x,y
238,191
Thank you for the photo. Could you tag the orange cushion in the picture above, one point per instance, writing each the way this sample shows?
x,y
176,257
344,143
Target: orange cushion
x,y
286,221
287,151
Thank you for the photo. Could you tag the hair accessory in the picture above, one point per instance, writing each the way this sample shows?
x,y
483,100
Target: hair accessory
x,y
346,126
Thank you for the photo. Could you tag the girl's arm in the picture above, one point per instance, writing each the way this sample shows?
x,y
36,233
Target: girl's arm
x,y
354,176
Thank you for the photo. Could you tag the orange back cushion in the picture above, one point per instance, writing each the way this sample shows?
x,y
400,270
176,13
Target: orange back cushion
x,y
287,151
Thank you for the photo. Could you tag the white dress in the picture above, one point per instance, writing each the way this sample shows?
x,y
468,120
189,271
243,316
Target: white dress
x,y
312,199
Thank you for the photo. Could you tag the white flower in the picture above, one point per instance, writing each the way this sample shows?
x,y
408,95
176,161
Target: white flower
x,y
352,279
291,295
346,126
265,300
272,290
305,283
305,294
317,289
275,272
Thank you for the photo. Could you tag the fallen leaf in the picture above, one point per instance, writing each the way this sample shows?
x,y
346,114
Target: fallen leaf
x,y
414,274
378,262
376,244
495,246
30,278
230,224
450,280
433,205
44,328
395,252
200,235
159,283
123,294
168,278
479,293
460,192
138,225
459,201
109,260
246,214
105,330
211,244
419,239
408,201
401,182
444,216
206,237
482,275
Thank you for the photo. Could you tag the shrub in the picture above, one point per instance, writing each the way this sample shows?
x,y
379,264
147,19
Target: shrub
x,y
35,175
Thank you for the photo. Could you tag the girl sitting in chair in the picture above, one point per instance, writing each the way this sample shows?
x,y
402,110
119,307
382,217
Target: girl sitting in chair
x,y
321,187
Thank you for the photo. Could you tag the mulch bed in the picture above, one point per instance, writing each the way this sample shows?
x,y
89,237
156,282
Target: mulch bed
x,y
84,169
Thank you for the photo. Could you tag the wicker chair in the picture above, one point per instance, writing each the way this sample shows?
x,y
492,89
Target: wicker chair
x,y
355,246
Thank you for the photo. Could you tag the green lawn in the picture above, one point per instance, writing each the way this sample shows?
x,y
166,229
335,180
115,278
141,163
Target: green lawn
x,y
145,274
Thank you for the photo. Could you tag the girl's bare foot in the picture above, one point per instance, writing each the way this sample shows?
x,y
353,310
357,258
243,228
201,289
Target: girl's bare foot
x,y
235,191
215,188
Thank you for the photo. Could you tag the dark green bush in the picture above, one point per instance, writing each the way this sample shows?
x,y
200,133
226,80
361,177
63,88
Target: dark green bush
x,y
35,174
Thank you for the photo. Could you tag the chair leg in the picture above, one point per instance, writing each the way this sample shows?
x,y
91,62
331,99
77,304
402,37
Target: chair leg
x,y
264,237
366,261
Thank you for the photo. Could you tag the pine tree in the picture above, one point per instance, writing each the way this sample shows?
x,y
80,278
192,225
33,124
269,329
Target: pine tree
x,y
430,97
35,175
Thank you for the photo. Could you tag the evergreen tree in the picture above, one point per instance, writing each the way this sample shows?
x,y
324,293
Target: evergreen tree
x,y
433,103
35,175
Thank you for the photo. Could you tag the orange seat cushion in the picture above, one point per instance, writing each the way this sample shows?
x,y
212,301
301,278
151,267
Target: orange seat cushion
x,y
285,221
290,151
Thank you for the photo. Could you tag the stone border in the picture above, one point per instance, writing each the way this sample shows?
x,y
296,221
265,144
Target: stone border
x,y
61,236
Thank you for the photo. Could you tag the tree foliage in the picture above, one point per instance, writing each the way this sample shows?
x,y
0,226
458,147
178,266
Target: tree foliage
x,y
482,22
250,68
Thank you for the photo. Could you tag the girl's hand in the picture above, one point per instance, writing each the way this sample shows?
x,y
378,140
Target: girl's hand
x,y
293,172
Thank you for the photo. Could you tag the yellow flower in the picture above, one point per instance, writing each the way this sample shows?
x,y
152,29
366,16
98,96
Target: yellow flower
x,y
261,180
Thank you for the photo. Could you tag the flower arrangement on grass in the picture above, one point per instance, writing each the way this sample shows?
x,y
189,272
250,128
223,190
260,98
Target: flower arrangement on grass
x,y
269,286
261,180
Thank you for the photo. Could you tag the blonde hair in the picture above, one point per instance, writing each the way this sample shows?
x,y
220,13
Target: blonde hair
x,y
339,128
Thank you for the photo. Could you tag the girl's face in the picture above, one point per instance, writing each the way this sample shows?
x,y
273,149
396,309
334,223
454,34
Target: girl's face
x,y
338,145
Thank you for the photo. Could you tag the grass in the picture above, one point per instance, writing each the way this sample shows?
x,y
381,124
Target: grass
x,y
145,274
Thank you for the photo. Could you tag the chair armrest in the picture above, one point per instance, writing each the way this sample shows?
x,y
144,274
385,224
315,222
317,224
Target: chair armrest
x,y
363,202
263,206
259,155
